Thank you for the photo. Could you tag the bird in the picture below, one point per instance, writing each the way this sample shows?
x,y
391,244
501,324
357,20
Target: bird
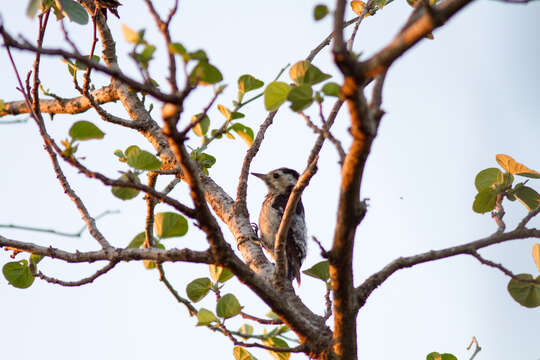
x,y
110,5
280,183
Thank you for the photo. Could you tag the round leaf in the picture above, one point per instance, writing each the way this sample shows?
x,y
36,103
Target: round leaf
x,y
205,317
246,330
138,240
198,288
240,353
280,343
275,94
228,306
18,274
140,159
303,72
320,11
320,270
528,196
486,178
300,97
525,293
169,224
331,89
447,356
74,11
433,356
85,130
205,74
247,83
126,193
244,132
485,201
202,127
220,274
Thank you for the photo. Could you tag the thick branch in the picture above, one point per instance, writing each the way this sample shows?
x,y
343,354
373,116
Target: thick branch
x,y
110,254
75,105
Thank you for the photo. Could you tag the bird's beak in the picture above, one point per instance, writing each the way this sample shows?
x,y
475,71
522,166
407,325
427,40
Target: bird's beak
x,y
260,176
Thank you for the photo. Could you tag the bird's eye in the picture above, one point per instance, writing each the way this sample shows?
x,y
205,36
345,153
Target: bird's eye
x,y
275,175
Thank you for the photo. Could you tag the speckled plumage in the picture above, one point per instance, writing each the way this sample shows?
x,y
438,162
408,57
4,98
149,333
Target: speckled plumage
x,y
279,190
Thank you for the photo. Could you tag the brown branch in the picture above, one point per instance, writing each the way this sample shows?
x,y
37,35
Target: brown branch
x,y
110,254
327,134
528,218
492,264
281,235
191,309
84,281
114,72
364,291
261,321
426,22
75,105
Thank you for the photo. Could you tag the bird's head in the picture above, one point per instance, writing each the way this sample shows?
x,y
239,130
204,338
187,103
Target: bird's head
x,y
279,181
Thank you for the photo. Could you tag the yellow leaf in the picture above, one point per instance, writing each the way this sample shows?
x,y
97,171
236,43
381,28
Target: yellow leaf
x,y
536,255
358,7
513,167
129,34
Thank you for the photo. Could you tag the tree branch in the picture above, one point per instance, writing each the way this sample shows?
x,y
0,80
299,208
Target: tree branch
x,y
84,281
364,291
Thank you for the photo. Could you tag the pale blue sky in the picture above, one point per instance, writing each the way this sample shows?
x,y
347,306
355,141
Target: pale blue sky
x,y
452,104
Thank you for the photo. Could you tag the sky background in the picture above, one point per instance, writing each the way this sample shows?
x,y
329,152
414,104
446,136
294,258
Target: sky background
x,y
451,105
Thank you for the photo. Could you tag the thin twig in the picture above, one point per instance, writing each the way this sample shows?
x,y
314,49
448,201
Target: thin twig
x,y
477,349
492,264
77,234
84,281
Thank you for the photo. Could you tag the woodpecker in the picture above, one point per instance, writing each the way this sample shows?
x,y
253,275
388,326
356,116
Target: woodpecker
x,y
280,183
110,5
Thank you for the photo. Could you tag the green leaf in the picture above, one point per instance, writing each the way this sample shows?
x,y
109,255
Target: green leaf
x,y
527,196
303,72
272,315
202,127
205,317
320,271
275,94
301,97
179,49
220,274
85,130
18,274
320,11
485,201
331,89
447,356
228,306
144,57
205,74
247,83
140,159
280,343
169,224
138,241
512,166
525,293
198,288
74,11
244,132
198,55
204,160
126,193
32,8
246,330
433,356
240,353
504,180
120,154
237,115
486,178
